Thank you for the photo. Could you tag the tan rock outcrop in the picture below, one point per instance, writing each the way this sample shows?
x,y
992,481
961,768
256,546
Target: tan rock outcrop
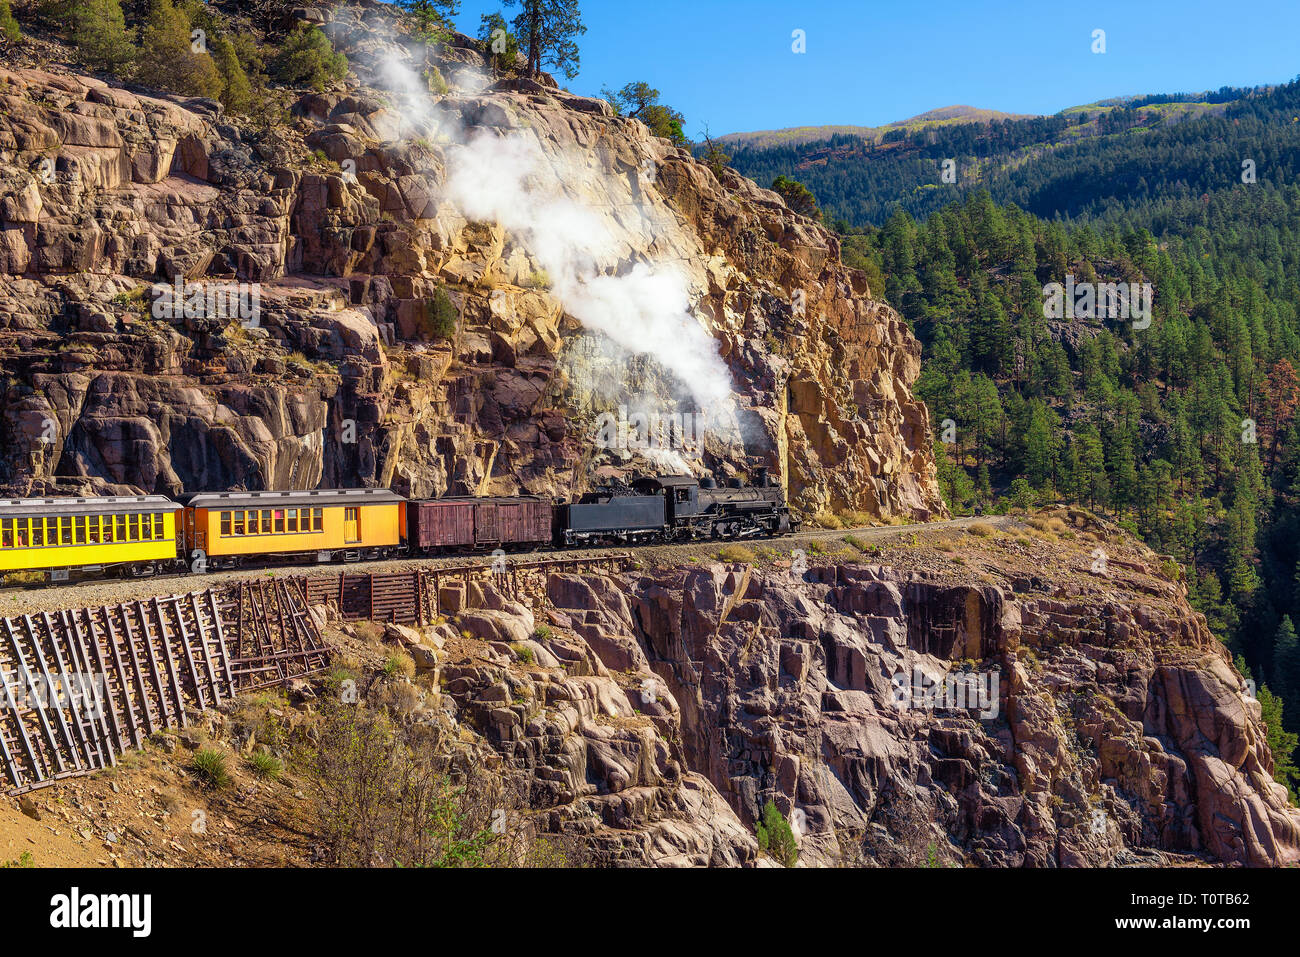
x,y
340,381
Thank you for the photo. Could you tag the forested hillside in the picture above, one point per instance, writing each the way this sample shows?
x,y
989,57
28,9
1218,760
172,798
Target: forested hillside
x,y
1092,160
1184,428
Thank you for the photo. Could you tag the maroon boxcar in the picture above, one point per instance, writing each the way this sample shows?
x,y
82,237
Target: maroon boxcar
x,y
479,522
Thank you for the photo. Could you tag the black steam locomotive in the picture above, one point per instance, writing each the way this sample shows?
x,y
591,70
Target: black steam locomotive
x,y
672,508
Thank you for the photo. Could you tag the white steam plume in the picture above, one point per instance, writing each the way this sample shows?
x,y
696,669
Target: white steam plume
x,y
643,308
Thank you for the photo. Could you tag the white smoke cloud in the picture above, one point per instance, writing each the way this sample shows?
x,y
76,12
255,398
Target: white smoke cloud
x,y
643,308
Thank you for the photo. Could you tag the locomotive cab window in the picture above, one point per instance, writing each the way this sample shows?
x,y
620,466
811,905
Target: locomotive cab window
x,y
683,495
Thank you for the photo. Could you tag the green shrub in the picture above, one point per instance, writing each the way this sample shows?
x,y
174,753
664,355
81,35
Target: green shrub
x,y
1021,494
855,542
542,632
498,42
167,59
266,765
308,59
434,81
237,91
775,836
8,25
399,664
97,29
440,315
209,766
523,653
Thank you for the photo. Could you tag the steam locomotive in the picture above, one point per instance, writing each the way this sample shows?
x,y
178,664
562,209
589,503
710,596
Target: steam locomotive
x,y
57,538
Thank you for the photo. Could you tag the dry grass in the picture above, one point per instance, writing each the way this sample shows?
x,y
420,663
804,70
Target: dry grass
x,y
827,520
737,553
980,529
854,519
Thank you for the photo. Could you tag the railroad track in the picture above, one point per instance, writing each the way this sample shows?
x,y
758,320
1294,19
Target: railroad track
x,y
19,599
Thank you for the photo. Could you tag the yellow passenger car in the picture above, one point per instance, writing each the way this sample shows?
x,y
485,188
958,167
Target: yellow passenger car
x,y
57,536
228,528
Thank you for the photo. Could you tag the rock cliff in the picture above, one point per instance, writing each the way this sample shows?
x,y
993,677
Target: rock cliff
x,y
1096,721
348,221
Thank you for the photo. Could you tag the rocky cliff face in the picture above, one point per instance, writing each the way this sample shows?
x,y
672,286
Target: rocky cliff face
x,y
666,706
347,224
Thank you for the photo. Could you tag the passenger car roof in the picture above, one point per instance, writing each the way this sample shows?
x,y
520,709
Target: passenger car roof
x,y
318,497
90,505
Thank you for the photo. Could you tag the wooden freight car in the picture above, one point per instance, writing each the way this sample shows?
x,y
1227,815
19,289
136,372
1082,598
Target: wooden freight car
x,y
55,537
229,528
486,523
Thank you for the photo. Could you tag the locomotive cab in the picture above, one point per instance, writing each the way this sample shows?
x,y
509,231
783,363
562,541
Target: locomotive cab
x,y
681,495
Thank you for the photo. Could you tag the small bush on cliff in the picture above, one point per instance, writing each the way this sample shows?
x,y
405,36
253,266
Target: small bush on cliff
x,y
797,196
435,81
441,315
8,25
309,59
775,836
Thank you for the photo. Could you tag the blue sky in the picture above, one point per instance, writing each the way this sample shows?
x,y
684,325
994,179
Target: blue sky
x,y
729,62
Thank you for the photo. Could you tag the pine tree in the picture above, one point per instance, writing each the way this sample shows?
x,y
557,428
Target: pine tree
x,y
1280,742
1285,673
170,59
237,91
430,20
8,25
501,46
548,30
776,837
1240,543
309,59
98,30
